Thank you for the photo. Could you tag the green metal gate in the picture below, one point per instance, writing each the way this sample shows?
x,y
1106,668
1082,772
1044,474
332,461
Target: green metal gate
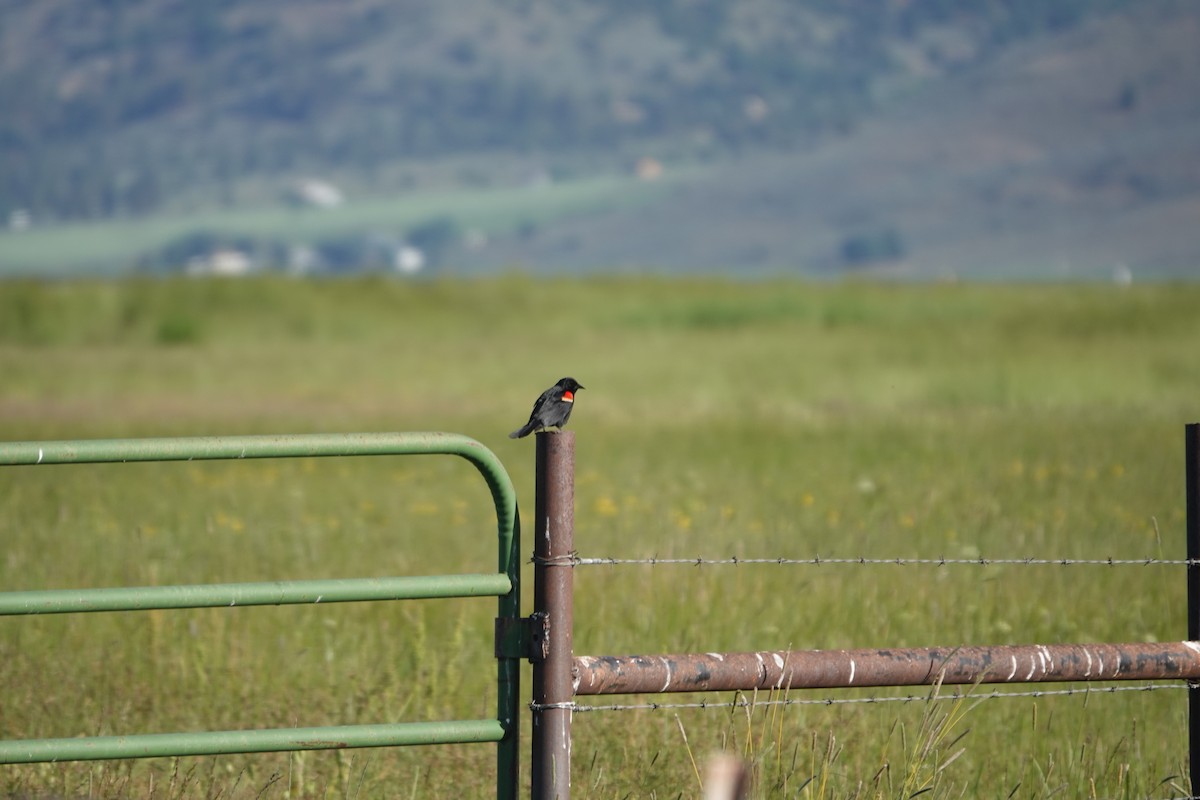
x,y
504,584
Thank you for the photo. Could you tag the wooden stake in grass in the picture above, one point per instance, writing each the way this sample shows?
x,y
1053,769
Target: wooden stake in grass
x,y
728,778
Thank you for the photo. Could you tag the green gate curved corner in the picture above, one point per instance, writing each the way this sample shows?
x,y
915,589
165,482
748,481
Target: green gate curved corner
x,y
504,584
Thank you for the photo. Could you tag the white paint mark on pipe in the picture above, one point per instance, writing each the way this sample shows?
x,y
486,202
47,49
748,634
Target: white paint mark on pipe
x,y
852,667
40,454
779,662
1014,669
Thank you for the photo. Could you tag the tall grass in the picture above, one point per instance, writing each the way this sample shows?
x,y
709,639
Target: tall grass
x,y
757,420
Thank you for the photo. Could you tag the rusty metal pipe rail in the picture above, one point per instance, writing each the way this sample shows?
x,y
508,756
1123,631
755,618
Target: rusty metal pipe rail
x,y
832,669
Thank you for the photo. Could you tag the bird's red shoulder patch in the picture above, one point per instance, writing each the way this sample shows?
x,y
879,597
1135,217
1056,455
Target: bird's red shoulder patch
x,y
568,397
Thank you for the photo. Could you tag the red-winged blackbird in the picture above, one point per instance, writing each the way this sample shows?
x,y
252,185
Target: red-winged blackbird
x,y
552,409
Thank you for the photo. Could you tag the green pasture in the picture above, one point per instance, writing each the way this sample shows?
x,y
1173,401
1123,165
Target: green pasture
x,y
757,420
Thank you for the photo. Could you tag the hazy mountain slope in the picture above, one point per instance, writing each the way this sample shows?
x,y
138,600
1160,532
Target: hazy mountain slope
x,y
123,108
1069,154
999,138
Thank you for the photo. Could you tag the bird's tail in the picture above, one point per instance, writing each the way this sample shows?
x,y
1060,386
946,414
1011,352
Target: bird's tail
x,y
522,431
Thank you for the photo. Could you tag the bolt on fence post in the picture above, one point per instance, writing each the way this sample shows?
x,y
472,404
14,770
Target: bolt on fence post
x,y
1192,472
553,587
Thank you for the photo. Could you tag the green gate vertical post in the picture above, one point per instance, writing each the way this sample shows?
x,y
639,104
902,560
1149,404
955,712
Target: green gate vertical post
x,y
508,666
503,730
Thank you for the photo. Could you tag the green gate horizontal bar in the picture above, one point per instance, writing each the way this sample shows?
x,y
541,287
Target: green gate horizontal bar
x,y
142,598
200,448
504,584
207,743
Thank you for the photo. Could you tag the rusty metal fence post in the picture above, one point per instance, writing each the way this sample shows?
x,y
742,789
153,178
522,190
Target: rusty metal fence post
x,y
553,606
1192,473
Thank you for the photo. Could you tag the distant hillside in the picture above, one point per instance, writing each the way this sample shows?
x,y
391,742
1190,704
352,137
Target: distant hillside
x,y
1070,154
118,109
996,139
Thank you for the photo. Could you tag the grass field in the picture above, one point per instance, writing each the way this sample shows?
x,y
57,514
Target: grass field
x,y
720,419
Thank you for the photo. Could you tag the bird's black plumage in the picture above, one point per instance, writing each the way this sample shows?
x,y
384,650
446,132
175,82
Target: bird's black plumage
x,y
552,409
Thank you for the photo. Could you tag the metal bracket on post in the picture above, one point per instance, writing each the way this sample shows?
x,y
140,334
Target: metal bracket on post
x,y
537,646
524,637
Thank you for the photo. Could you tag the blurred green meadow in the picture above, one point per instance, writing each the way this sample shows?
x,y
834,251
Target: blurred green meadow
x,y
748,419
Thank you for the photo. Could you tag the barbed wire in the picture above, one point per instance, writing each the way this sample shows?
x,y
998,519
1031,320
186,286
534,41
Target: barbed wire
x,y
744,701
819,561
